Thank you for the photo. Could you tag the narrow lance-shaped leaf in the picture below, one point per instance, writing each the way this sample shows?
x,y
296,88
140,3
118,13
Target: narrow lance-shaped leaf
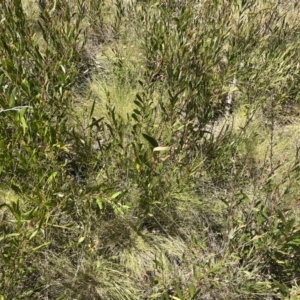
x,y
161,149
152,141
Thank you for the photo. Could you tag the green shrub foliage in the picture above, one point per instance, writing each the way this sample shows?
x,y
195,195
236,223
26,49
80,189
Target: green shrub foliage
x,y
186,190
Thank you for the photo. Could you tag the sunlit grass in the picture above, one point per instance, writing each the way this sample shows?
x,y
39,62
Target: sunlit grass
x,y
116,81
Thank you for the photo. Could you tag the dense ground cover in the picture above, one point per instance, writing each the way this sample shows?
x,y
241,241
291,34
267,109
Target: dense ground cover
x,y
149,149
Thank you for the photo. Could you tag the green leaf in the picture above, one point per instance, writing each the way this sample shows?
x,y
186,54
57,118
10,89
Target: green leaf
x,y
99,201
95,122
295,235
154,182
15,188
151,140
289,225
12,97
281,216
10,76
294,242
51,177
159,168
115,195
138,103
41,246
192,290
8,236
134,116
93,107
26,86
179,293
33,234
24,125
282,287
118,194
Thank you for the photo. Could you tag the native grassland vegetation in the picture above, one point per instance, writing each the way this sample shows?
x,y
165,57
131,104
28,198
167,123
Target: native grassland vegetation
x,y
125,170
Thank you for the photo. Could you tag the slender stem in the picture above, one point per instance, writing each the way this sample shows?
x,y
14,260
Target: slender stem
x,y
15,108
